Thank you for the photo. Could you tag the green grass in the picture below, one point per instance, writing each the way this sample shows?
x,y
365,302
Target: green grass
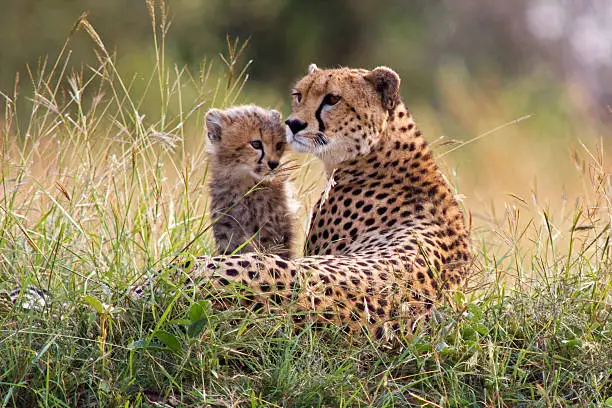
x,y
94,197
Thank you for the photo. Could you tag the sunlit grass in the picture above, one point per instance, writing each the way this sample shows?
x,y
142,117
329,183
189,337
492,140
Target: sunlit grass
x,y
95,195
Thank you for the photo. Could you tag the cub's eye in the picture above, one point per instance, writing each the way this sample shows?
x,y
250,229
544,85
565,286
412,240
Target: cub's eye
x,y
297,97
257,144
331,99
280,146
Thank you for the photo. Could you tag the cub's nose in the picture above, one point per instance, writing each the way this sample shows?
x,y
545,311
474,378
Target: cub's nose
x,y
272,164
296,125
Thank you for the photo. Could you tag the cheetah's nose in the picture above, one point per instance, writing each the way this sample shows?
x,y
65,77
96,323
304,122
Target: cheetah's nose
x,y
296,125
272,164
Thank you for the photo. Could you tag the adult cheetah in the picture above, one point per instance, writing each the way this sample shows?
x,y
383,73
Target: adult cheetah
x,y
388,238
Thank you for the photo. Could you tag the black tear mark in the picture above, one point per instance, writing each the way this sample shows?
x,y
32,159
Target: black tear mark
x,y
318,116
262,147
320,108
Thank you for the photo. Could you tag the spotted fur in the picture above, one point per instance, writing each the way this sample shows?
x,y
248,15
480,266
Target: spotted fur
x,y
249,196
388,241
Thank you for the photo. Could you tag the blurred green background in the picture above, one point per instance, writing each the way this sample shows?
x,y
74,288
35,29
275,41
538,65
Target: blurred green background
x,y
467,67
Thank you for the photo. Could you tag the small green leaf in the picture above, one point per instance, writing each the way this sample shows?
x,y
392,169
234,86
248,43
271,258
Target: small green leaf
x,y
169,341
608,402
180,322
195,328
572,343
145,345
195,312
468,333
95,303
444,348
481,328
474,310
422,347
137,344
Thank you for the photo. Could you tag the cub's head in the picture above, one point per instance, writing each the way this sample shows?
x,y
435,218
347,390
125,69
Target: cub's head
x,y
246,140
339,114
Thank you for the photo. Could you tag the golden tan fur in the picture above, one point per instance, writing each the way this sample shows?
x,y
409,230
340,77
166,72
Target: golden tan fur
x,y
387,242
342,138
249,202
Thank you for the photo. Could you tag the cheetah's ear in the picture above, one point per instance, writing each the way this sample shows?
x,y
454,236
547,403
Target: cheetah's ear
x,y
312,68
214,124
276,115
387,84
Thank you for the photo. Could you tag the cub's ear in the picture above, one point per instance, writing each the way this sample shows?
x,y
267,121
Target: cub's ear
x,y
312,68
276,115
387,84
214,124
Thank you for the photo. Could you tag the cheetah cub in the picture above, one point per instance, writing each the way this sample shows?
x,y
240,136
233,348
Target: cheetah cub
x,y
250,193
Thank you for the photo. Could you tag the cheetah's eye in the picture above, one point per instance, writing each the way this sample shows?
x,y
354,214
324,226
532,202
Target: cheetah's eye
x,y
297,97
331,99
257,144
280,146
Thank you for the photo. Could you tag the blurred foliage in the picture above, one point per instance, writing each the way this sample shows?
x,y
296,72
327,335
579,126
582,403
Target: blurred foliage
x,y
415,38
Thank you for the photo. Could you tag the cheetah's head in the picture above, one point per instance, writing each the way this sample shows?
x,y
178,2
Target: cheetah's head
x,y
340,114
246,140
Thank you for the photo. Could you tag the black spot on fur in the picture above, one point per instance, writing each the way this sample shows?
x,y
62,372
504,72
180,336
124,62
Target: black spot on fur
x,y
253,275
231,272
